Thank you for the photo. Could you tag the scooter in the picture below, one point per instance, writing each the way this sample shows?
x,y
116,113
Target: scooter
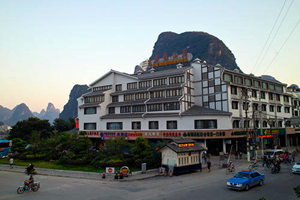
x,y
26,187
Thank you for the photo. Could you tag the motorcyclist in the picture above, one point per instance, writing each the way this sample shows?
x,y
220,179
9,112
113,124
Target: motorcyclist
x,y
30,168
30,181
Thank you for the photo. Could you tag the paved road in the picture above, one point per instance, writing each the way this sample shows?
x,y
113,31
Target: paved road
x,y
197,185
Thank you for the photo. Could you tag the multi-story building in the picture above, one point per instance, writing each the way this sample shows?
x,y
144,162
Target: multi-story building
x,y
207,103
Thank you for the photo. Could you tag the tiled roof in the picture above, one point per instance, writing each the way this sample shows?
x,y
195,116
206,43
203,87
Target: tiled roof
x,y
174,147
132,91
126,103
90,94
162,114
198,110
89,105
165,87
121,116
163,100
164,73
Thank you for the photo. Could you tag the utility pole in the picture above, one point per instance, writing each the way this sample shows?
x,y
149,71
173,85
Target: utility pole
x,y
247,131
261,131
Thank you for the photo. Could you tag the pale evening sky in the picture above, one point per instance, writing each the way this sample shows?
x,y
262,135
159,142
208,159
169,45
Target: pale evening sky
x,y
46,47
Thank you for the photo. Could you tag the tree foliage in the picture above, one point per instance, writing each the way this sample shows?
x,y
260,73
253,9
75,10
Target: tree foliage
x,y
61,125
24,129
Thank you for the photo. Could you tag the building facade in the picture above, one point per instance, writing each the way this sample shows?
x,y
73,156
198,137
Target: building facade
x,y
217,107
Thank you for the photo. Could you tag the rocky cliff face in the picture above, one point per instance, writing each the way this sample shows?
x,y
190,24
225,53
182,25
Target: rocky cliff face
x,y
5,113
20,112
51,113
202,45
70,109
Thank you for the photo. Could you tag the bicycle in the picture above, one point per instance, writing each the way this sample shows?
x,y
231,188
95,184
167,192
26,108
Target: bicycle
x,y
230,170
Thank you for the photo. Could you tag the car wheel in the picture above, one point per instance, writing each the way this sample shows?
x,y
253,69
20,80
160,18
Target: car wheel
x,y
261,182
247,187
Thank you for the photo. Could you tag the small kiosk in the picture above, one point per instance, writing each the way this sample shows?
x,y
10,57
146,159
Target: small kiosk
x,y
181,156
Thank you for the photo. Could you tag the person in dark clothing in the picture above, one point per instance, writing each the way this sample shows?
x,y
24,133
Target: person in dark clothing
x,y
200,166
30,168
208,165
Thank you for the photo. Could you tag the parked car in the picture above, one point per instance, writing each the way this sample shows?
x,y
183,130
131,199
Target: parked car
x,y
243,180
296,168
274,153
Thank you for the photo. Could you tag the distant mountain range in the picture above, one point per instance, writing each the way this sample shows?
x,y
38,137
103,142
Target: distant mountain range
x,y
22,112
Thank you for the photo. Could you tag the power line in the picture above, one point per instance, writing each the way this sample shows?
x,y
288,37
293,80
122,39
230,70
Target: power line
x,y
274,36
268,37
291,33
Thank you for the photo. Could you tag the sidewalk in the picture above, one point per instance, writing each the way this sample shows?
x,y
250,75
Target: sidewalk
x,y
215,160
80,174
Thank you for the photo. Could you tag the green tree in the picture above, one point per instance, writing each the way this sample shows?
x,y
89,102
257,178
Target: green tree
x,y
142,151
297,191
61,125
24,129
18,145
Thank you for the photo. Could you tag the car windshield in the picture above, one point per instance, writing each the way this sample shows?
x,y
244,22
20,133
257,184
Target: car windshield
x,y
298,163
242,175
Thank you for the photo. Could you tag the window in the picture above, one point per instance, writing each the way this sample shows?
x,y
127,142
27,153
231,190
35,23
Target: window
x,y
265,124
263,107
139,108
125,109
89,126
256,84
153,124
128,97
235,105
271,87
279,123
158,82
296,113
238,80
174,92
248,82
119,87
233,90
205,124
172,106
94,99
176,79
157,94
244,106
286,98
278,89
111,110
171,124
154,107
255,106
278,97
271,96
136,125
114,125
227,77
287,109
145,84
102,88
143,95
90,111
262,95
278,108
256,125
131,86
236,124
254,93
115,98
264,85
271,108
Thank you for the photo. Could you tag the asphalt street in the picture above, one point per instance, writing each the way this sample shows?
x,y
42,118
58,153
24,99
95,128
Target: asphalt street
x,y
199,185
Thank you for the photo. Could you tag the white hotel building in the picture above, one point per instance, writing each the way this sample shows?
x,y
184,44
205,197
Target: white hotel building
x,y
198,101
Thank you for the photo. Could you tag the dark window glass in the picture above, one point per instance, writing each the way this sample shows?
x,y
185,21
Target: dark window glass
x,y
153,124
205,124
235,105
233,90
90,111
111,110
136,125
114,125
89,126
171,124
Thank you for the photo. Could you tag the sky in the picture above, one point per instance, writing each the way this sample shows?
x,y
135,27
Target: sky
x,y
48,46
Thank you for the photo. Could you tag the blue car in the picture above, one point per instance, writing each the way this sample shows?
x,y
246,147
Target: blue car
x,y
245,179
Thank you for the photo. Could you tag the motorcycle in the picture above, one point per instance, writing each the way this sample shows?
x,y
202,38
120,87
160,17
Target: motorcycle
x,y
26,187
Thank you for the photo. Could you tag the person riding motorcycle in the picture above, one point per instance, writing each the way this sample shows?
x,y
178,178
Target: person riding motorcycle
x,y
30,168
30,182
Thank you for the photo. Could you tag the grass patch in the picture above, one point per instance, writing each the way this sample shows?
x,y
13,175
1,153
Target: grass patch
x,y
55,165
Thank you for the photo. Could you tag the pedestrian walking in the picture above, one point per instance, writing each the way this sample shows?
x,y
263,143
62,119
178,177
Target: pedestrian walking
x,y
293,156
200,166
11,162
208,165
